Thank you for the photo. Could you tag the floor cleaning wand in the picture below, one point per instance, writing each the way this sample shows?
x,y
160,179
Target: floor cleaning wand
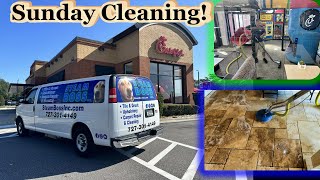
x,y
265,115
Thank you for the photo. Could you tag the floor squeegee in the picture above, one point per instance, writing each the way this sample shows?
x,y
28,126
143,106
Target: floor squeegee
x,y
265,115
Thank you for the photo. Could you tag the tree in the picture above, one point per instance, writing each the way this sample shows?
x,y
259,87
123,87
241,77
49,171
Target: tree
x,y
3,91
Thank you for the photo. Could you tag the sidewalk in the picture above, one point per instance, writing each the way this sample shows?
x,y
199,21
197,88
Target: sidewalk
x,y
171,119
7,107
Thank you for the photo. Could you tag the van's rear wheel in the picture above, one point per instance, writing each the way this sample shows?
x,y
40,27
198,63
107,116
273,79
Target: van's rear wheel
x,y
83,142
22,131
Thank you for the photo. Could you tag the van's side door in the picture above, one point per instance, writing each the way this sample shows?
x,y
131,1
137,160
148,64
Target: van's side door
x,y
28,110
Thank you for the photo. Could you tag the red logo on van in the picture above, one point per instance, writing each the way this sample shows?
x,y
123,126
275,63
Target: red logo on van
x,y
162,48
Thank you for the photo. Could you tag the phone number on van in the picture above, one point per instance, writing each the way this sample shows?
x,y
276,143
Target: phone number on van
x,y
61,115
141,126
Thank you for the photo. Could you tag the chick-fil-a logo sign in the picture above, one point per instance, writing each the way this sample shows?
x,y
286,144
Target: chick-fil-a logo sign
x,y
162,48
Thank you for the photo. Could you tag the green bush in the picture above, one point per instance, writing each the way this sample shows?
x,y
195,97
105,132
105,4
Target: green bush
x,y
161,103
2,101
179,109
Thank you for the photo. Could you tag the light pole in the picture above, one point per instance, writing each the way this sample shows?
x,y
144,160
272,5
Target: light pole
x,y
198,79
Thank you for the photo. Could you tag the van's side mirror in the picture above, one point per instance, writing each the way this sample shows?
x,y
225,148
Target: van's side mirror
x,y
22,101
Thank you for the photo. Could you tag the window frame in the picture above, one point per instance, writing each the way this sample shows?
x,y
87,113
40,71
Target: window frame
x,y
34,99
124,67
173,79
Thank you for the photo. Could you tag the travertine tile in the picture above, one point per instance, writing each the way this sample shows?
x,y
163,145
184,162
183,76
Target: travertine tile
x,y
213,117
256,105
234,112
261,139
293,131
309,136
287,153
208,154
242,160
237,134
295,169
220,156
210,167
265,158
312,109
260,168
281,133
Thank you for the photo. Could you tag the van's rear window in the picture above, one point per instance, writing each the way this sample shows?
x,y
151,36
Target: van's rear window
x,y
132,89
79,92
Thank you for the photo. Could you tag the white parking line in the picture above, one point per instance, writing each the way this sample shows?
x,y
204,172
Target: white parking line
x,y
190,172
162,154
8,130
192,169
141,145
184,145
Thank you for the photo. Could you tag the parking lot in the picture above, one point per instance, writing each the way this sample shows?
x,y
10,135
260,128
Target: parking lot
x,y
170,156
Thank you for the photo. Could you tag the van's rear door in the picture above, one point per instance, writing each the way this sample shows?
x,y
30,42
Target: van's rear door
x,y
137,104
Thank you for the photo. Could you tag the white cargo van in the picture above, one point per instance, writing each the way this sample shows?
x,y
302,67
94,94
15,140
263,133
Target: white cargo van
x,y
113,110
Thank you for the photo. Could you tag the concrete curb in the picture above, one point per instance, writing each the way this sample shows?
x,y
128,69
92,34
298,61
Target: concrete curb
x,y
176,120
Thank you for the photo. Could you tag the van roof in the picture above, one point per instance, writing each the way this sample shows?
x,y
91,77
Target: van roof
x,y
86,79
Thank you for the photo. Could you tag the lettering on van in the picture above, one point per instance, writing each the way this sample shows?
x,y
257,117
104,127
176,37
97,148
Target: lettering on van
x,y
66,112
129,113
79,92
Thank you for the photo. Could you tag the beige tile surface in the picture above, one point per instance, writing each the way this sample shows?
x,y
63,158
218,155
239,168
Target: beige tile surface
x,y
265,158
293,131
220,156
261,139
242,160
287,153
309,136
261,168
235,140
209,167
276,122
281,133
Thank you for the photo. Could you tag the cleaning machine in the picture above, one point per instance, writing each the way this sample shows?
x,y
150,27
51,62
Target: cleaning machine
x,y
265,115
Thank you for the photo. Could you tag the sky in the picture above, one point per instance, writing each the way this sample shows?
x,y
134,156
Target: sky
x,y
22,43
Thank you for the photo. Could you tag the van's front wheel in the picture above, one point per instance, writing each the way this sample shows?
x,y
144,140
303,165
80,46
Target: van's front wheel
x,y
83,142
22,131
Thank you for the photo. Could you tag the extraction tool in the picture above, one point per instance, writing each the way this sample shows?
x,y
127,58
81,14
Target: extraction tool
x,y
277,62
265,115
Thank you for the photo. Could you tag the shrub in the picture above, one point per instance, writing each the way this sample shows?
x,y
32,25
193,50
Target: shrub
x,y
161,103
2,101
179,109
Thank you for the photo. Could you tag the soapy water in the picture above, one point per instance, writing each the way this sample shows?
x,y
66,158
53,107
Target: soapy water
x,y
283,148
243,125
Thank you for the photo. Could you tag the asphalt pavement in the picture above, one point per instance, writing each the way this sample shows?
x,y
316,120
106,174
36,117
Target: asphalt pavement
x,y
173,155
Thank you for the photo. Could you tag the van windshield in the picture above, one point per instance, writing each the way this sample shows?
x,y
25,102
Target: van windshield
x,y
133,89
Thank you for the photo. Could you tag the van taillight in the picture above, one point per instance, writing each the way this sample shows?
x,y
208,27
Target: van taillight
x,y
112,95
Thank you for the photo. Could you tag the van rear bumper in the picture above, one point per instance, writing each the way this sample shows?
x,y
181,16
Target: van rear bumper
x,y
137,138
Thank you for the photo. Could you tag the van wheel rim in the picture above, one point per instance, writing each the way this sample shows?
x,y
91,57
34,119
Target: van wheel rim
x,y
20,128
82,143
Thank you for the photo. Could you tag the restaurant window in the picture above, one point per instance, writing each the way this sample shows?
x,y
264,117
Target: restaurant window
x,y
104,70
128,68
60,76
167,80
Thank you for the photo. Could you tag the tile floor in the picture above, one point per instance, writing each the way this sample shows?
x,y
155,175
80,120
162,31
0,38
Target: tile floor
x,y
235,140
